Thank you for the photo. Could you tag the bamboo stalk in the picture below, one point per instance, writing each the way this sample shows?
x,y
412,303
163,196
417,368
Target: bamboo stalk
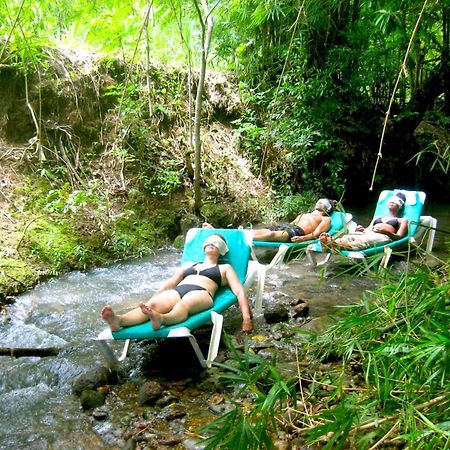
x,y
375,423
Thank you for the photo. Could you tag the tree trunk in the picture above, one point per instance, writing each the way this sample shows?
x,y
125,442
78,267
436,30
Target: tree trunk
x,y
207,28
20,352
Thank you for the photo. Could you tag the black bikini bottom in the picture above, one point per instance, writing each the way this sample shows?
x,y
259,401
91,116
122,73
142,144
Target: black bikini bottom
x,y
183,289
291,230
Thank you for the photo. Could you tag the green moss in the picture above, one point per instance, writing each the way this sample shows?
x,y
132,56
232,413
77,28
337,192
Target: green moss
x,y
56,244
17,276
135,238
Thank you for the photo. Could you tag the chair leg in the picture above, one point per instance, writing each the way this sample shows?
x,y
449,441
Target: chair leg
x,y
278,259
216,332
255,269
386,257
325,260
311,255
260,288
107,353
432,232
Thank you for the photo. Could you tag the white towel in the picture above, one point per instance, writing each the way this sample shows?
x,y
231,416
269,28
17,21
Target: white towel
x,y
410,196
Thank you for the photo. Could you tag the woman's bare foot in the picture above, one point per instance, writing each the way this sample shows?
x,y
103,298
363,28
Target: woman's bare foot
x,y
111,318
155,317
326,242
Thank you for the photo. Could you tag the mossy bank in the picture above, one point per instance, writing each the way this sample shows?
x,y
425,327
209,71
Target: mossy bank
x,y
89,175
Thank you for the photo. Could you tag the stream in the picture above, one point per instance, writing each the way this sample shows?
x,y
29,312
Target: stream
x,y
37,407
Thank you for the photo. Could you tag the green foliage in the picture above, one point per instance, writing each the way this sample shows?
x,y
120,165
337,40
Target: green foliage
x,y
244,427
399,337
57,245
387,362
288,207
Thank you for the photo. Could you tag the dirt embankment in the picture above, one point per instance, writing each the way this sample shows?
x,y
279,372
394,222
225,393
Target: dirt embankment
x,y
95,165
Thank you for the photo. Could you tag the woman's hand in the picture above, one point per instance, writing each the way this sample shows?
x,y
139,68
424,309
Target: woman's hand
x,y
383,229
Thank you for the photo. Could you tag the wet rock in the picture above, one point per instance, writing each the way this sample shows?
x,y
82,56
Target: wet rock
x,y
94,378
130,444
288,369
170,441
268,353
300,309
100,413
149,438
149,393
173,411
91,399
213,382
166,400
275,313
221,409
260,341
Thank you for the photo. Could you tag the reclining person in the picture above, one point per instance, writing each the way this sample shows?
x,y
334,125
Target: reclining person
x,y
190,291
303,228
380,230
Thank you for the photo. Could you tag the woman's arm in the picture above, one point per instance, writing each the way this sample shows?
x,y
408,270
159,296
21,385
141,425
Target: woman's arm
x,y
171,282
238,290
386,229
402,229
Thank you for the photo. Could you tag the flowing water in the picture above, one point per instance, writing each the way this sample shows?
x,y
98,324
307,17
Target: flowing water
x,y
37,409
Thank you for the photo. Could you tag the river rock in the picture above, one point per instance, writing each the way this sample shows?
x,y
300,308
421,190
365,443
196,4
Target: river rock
x,y
268,354
149,393
169,441
94,378
130,444
274,313
300,309
213,382
91,399
100,413
173,411
166,399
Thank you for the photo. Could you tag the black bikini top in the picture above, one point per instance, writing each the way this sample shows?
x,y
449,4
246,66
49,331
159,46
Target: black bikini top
x,y
213,273
392,222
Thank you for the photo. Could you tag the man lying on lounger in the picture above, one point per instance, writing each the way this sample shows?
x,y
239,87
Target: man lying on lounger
x,y
304,227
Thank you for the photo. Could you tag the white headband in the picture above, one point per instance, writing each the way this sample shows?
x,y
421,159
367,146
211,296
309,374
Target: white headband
x,y
218,242
325,202
397,200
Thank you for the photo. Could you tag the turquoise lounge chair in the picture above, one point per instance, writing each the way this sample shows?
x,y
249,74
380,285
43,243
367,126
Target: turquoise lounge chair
x,y
238,256
340,222
412,211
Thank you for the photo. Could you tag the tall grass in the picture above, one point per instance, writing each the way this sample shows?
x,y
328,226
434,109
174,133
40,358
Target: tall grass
x,y
377,378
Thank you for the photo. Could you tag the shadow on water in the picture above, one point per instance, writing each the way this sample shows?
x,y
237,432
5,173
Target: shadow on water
x,y
37,408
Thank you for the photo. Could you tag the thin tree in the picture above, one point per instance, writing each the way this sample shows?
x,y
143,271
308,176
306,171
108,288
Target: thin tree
x,y
207,24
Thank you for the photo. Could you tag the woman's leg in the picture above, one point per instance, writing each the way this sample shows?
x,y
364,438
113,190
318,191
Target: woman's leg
x,y
192,303
268,235
162,303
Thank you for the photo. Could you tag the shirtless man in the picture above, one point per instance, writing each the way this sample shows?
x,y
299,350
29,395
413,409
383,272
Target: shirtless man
x,y
303,228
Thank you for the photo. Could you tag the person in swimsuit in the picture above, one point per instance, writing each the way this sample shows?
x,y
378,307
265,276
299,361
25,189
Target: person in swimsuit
x,y
190,291
303,228
380,230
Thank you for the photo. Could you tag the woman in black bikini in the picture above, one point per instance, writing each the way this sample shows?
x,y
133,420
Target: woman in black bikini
x,y
380,230
189,291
